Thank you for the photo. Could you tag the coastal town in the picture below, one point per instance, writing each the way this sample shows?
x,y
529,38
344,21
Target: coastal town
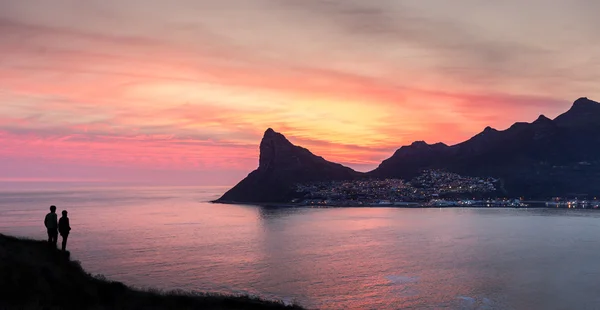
x,y
432,188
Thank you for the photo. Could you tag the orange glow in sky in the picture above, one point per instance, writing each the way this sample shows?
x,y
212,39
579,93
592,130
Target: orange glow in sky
x,y
183,90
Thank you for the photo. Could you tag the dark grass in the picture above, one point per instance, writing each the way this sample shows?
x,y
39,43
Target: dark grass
x,y
33,275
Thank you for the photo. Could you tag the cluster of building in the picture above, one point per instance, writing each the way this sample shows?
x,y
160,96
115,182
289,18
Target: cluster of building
x,y
444,183
430,186
574,203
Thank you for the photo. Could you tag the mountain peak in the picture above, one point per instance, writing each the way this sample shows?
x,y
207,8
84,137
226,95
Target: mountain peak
x,y
583,102
542,124
272,145
272,135
419,143
542,118
281,166
489,129
422,145
584,112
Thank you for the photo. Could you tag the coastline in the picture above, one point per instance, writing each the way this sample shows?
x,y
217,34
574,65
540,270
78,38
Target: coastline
x,y
404,205
36,276
533,204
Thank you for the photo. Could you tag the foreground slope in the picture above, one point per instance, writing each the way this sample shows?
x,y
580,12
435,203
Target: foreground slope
x,y
281,166
544,158
34,276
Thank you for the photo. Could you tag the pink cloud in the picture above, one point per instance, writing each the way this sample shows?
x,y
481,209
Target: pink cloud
x,y
112,98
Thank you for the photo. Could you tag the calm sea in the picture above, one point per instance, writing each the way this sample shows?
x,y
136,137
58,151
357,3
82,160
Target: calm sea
x,y
355,258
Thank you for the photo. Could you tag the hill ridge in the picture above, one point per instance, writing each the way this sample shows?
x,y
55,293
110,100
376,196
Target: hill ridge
x,y
534,159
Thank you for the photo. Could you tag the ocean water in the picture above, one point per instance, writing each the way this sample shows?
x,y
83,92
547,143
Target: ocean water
x,y
355,258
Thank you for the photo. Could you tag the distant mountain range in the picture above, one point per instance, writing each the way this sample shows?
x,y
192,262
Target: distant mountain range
x,y
545,158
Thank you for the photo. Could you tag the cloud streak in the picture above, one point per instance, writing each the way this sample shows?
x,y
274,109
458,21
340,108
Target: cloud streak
x,y
192,85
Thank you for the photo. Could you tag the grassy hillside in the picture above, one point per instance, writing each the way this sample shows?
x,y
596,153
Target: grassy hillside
x,y
34,276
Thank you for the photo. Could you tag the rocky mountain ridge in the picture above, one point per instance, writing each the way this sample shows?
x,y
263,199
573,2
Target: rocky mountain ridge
x,y
540,159
281,165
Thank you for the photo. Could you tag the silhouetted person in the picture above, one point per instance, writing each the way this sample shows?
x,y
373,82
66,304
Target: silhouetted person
x,y
64,228
51,226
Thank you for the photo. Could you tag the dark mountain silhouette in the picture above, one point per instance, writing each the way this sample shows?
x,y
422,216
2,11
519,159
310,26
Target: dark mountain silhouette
x,y
583,113
545,158
281,165
539,159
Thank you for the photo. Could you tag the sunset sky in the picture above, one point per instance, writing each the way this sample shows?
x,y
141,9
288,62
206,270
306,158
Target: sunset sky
x,y
181,91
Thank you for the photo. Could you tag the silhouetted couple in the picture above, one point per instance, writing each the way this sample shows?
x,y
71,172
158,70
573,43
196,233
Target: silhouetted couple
x,y
54,227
